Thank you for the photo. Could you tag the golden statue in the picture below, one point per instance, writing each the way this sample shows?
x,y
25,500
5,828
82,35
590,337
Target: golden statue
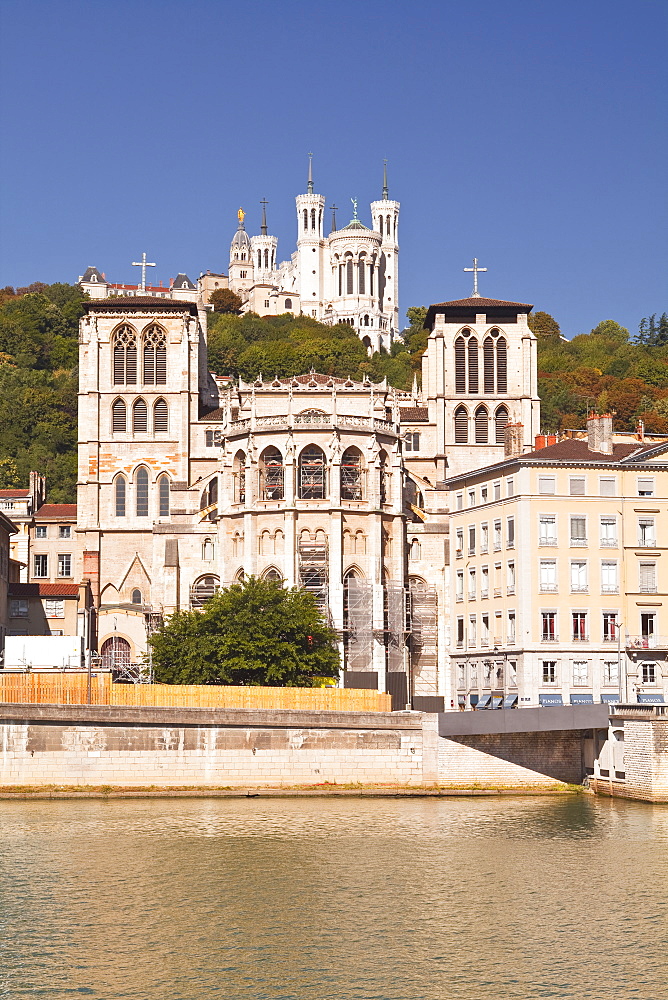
x,y
241,215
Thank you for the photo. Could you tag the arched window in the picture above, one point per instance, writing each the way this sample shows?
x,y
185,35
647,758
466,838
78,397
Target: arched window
x,y
385,496
266,259
239,474
154,347
367,342
271,474
125,356
163,495
387,225
207,550
203,590
118,415
500,420
501,365
160,416
305,218
272,575
115,653
213,491
136,597
473,365
360,277
351,579
349,276
139,416
352,485
312,218
460,365
288,303
380,219
488,363
259,258
415,551
461,425
481,425
312,474
239,576
119,495
371,274
141,492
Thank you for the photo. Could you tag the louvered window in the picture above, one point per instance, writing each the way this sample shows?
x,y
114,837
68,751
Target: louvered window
x,y
349,276
120,496
501,365
160,416
488,363
305,218
461,425
371,269
473,365
647,578
142,492
125,356
155,356
139,417
163,496
118,415
312,218
361,267
460,365
501,419
481,425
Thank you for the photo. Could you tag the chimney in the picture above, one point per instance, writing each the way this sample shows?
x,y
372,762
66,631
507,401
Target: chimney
x,y
513,435
640,430
599,433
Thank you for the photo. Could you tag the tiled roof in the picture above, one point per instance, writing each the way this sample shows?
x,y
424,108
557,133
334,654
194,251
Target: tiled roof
x,y
577,450
216,415
414,413
477,301
43,589
61,510
8,494
139,303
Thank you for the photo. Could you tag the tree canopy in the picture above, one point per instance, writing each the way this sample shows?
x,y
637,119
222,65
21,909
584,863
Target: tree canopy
x,y
224,300
253,633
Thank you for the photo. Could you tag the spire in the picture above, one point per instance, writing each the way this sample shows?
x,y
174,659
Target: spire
x,y
263,227
385,188
309,186
334,210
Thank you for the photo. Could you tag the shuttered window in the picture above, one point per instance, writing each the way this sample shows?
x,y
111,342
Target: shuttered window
x,y
647,578
488,363
360,279
120,496
139,416
163,496
500,420
118,415
141,484
481,425
349,276
501,365
460,365
125,356
577,486
160,416
154,356
473,365
461,425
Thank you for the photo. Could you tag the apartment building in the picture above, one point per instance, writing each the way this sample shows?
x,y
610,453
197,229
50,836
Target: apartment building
x,y
559,575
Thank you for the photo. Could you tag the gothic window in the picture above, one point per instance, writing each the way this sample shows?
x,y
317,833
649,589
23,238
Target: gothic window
x,y
305,218
488,363
371,273
203,590
288,303
501,365
460,365
387,225
115,653
139,416
207,550
163,495
118,415
240,477
266,260
160,416
349,276
213,491
380,219
313,218
352,475
312,473
141,492
125,356
461,425
271,474
272,575
119,495
154,347
481,425
136,597
473,365
384,477
360,279
259,258
500,420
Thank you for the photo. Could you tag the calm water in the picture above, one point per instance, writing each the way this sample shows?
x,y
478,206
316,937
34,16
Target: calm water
x,y
319,899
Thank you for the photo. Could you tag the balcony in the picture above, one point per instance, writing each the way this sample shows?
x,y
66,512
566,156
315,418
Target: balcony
x,y
497,591
647,588
646,642
549,638
578,543
579,588
548,588
580,638
459,554
610,588
510,590
484,594
647,543
484,548
608,543
550,542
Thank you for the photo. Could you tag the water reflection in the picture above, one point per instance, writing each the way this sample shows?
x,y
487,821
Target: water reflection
x,y
316,899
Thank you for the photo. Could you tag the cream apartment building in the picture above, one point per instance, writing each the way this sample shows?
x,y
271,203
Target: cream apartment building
x,y
559,574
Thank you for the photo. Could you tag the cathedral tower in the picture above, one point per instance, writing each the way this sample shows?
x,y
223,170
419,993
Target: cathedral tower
x,y
385,215
241,276
310,247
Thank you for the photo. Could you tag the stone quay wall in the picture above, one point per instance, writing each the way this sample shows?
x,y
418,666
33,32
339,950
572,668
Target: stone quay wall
x,y
516,760
645,762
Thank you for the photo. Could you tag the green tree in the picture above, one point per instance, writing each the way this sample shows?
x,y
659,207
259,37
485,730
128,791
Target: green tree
x,y
9,474
543,325
224,300
250,633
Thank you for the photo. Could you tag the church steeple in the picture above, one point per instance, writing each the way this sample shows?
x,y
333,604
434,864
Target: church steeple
x,y
263,227
309,186
386,193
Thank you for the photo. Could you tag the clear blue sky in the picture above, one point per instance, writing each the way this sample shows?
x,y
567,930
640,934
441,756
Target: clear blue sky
x,y
529,133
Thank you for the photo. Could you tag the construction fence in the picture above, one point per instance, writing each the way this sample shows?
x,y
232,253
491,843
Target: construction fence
x,y
72,689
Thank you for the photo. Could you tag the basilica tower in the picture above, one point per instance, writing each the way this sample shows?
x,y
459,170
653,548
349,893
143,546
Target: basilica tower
x,y
310,248
241,276
385,215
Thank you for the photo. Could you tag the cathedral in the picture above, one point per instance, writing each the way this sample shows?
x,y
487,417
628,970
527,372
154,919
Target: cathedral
x,y
188,482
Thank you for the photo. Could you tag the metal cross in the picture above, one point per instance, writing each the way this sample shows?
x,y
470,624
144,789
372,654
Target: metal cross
x,y
475,270
143,264
334,210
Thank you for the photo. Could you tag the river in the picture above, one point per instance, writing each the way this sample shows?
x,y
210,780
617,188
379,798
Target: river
x,y
334,899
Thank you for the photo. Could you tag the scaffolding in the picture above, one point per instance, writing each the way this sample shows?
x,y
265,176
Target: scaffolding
x,y
395,626
422,613
313,572
351,475
358,623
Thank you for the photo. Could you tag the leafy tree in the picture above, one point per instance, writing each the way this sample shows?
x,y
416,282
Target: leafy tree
x,y
9,474
651,332
544,325
224,300
253,633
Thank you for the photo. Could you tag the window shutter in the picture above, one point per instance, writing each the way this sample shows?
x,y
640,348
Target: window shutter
x,y
577,487
481,426
501,366
546,485
473,365
160,416
488,363
460,365
149,364
501,419
608,487
131,364
578,528
647,577
461,425
119,364
118,416
139,416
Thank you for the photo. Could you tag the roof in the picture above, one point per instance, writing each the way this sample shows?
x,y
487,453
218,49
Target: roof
x,y
43,589
475,304
355,224
213,415
7,524
91,272
240,240
59,510
139,303
414,413
8,494
183,281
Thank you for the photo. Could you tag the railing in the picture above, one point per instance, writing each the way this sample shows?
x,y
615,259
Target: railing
x,y
548,588
497,591
646,543
579,588
648,588
608,543
610,588
646,642
547,542
579,543
484,595
510,590
580,638
639,711
549,638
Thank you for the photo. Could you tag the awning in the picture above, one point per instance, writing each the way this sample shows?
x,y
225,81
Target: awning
x,y
651,699
461,699
609,699
473,698
497,702
510,701
550,699
582,699
484,701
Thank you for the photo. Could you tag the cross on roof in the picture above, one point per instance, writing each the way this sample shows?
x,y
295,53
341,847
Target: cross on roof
x,y
143,264
476,271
